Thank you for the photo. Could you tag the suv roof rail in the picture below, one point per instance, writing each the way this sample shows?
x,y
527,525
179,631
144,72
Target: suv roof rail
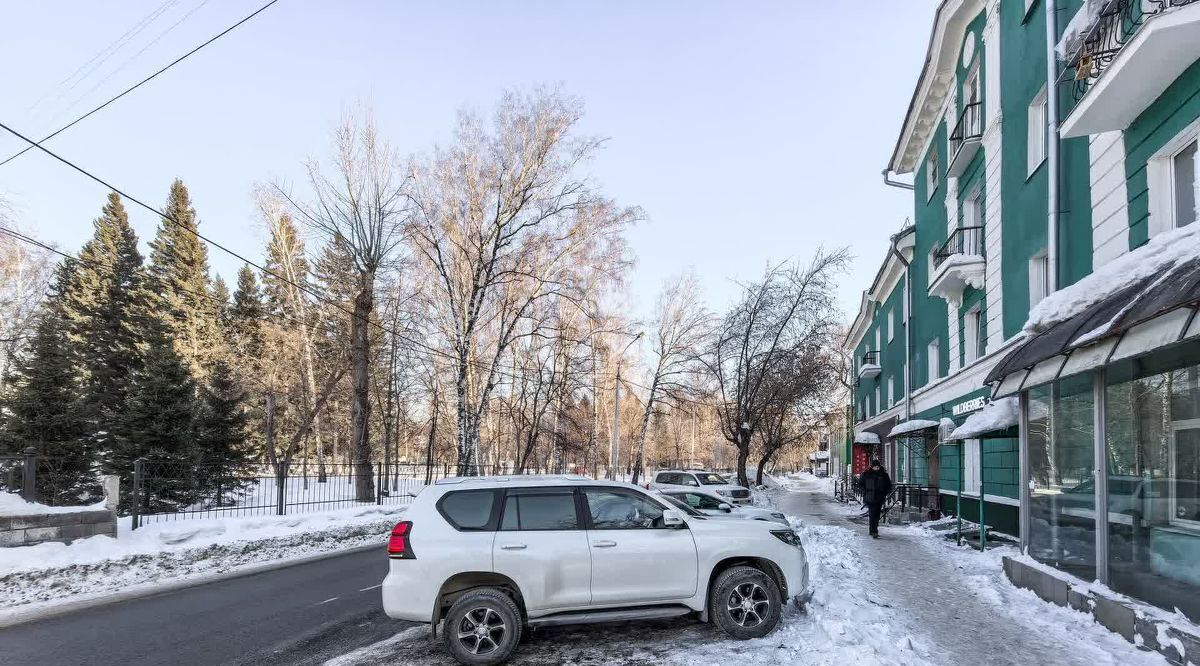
x,y
450,480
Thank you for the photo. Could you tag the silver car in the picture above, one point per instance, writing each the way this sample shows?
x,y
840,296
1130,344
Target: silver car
x,y
710,504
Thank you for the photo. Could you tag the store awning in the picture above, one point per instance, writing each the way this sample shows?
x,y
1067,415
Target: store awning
x,y
912,427
1143,300
866,437
999,415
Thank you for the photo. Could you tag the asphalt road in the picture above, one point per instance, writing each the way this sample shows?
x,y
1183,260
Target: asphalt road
x,y
301,614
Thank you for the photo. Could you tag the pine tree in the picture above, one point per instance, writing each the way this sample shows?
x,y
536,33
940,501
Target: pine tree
x,y
223,471
179,273
43,410
246,315
335,282
220,302
103,305
285,259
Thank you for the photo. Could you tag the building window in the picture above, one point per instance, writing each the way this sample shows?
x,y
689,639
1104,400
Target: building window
x,y
883,327
931,173
1036,132
972,216
934,359
898,321
891,392
971,452
972,334
1174,185
879,345
878,403
1039,278
891,329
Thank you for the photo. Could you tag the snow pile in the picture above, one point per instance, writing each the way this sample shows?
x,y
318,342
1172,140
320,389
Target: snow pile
x,y
11,504
999,415
865,437
172,551
914,425
1079,26
1161,255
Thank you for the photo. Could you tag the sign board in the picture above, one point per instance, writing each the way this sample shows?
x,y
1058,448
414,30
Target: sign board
x,y
973,405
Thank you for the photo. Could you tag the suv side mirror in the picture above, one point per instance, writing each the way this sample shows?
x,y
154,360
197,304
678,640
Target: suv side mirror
x,y
673,518
725,507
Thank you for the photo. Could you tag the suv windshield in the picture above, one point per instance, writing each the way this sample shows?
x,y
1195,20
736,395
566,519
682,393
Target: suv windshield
x,y
711,479
682,506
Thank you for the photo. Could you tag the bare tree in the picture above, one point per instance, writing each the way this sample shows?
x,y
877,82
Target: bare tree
x,y
680,330
504,221
25,275
362,204
788,314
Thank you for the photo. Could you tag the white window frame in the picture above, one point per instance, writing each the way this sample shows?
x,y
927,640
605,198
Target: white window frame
x,y
878,403
1160,177
1035,134
890,324
972,212
972,330
972,449
878,346
931,172
897,322
891,392
1039,278
933,353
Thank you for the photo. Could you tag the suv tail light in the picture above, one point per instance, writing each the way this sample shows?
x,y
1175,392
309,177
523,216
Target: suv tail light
x,y
399,546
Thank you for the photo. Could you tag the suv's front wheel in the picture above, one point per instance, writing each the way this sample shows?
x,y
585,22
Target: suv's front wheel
x,y
483,627
745,602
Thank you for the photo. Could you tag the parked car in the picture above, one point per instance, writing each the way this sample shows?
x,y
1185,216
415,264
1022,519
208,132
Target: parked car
x,y
487,557
713,505
710,481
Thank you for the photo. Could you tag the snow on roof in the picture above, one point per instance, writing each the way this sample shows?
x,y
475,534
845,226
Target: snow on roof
x,y
914,425
865,437
868,366
998,415
1163,253
1078,27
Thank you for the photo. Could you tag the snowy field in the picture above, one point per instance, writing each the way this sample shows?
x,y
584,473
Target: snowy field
x,y
54,573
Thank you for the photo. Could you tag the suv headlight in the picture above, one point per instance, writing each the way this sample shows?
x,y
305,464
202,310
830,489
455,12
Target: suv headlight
x,y
789,537
776,514
724,493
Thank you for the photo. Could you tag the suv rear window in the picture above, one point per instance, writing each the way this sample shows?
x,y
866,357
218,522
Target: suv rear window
x,y
468,509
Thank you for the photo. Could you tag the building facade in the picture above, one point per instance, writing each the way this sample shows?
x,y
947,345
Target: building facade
x,y
1025,353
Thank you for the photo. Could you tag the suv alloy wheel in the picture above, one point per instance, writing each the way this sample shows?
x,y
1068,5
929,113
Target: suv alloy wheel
x,y
482,627
745,602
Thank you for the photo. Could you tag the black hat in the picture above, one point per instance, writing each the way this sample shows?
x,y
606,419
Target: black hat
x,y
875,462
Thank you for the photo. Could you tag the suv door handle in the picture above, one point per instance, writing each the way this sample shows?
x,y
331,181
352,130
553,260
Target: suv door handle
x,y
513,546
603,544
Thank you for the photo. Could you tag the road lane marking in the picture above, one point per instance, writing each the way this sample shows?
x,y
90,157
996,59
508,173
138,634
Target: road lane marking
x,y
327,601
367,589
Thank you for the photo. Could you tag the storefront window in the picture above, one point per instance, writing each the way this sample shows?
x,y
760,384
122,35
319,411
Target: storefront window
x,y
1152,428
1062,487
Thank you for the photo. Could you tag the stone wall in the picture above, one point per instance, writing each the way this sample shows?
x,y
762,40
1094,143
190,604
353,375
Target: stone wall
x,y
63,527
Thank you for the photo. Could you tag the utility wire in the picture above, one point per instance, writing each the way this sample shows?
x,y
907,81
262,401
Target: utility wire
x,y
134,86
266,271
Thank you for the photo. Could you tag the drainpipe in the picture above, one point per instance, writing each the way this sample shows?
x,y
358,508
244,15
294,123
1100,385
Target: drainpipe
x,y
1052,141
895,183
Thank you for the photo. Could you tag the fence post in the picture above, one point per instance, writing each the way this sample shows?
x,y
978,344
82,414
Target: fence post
x,y
136,496
379,476
281,498
29,475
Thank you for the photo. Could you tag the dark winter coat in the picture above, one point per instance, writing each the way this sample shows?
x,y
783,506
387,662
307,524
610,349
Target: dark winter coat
x,y
875,484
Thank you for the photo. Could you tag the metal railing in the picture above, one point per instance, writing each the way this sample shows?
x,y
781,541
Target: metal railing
x,y
1118,21
969,126
869,358
50,480
964,240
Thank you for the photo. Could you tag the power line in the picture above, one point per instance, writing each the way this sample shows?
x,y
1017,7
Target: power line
x,y
134,86
266,271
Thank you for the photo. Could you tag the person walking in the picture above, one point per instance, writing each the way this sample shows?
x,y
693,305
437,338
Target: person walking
x,y
876,485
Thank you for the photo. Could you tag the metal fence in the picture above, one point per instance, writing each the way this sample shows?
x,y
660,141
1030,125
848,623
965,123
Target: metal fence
x,y
50,480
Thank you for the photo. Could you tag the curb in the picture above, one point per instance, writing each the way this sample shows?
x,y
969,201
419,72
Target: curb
x,y
24,616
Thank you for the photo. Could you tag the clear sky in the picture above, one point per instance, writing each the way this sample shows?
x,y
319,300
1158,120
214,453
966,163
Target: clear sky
x,y
750,132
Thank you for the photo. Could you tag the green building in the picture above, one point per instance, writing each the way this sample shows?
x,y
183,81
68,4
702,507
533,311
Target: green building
x,y
1026,351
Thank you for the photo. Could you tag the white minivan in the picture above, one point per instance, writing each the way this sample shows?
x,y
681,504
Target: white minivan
x,y
487,557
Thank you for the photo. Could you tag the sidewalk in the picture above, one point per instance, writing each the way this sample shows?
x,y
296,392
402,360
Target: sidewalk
x,y
955,603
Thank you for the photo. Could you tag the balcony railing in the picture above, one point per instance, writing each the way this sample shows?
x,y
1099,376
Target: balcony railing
x,y
1117,23
970,126
964,240
870,358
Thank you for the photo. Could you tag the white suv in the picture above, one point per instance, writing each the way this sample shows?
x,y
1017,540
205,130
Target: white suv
x,y
709,481
492,555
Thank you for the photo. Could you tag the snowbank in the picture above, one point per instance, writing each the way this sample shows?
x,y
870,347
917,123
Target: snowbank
x,y
165,552
1162,254
998,415
11,504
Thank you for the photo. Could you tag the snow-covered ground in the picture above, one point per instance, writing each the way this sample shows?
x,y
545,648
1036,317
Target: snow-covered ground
x,y
910,598
11,504
54,573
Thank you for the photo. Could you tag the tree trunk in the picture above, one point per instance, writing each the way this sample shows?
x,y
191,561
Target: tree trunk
x,y
432,436
360,356
743,447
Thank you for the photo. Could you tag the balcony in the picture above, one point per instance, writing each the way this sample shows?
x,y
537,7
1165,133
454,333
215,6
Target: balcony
x,y
868,365
957,264
965,139
1127,56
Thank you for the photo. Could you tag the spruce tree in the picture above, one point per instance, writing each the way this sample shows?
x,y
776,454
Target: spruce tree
x,y
223,470
103,306
285,263
179,274
246,315
220,302
43,409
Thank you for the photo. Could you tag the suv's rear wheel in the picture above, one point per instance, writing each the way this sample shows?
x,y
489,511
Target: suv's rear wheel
x,y
745,602
482,627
